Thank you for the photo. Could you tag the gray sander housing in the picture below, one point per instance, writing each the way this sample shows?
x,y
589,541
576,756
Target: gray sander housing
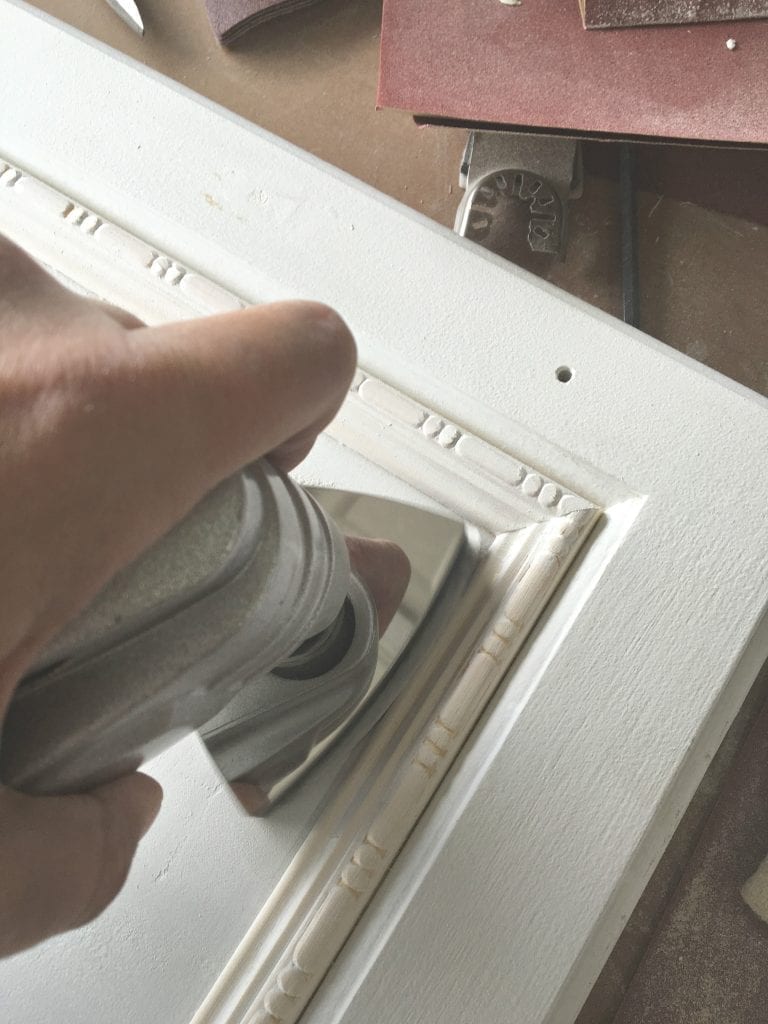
x,y
244,621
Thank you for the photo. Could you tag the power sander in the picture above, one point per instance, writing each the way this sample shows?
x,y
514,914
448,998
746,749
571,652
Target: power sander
x,y
245,621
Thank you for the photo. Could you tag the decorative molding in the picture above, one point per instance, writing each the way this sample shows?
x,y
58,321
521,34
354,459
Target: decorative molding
x,y
92,251
167,269
280,963
9,176
81,218
404,436
409,437
532,527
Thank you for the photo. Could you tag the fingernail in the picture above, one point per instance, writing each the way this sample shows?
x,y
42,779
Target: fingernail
x,y
322,320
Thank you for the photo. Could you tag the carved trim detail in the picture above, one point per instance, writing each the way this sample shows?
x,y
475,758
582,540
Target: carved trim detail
x,y
167,269
273,974
9,176
498,492
81,218
39,204
494,483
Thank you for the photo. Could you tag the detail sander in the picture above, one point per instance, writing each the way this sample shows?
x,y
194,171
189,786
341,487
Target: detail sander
x,y
245,621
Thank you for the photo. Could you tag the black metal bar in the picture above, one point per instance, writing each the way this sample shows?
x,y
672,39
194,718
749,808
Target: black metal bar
x,y
630,287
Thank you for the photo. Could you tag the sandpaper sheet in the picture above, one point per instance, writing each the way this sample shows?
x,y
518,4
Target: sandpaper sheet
x,y
613,13
230,19
534,65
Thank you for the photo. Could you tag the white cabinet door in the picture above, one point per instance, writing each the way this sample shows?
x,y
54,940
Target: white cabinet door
x,y
475,852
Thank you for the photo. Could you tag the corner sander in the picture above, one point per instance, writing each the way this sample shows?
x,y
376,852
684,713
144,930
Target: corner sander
x,y
245,621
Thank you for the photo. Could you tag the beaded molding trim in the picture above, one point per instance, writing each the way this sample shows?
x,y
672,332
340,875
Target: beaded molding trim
x,y
497,491
417,444
292,944
536,527
54,227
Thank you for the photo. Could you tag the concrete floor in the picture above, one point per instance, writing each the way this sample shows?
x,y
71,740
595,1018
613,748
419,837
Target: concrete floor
x,y
703,255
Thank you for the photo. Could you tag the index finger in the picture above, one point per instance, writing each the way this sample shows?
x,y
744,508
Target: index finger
x,y
189,403
265,380
132,428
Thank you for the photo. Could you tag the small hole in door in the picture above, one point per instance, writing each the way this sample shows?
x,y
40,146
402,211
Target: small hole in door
x,y
564,374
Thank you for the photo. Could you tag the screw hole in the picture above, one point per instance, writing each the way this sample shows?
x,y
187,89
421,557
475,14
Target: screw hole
x,y
564,374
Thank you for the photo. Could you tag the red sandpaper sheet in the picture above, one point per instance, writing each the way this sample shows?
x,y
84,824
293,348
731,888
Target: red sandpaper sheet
x,y
534,65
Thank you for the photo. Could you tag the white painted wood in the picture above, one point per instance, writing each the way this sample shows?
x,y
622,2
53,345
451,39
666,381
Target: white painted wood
x,y
516,880
532,527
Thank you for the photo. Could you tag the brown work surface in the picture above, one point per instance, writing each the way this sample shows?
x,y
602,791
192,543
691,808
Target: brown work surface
x,y
533,64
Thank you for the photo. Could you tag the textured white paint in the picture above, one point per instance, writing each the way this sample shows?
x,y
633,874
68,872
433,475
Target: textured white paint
x,y
509,894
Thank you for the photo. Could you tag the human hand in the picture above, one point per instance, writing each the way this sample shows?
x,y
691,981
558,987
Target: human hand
x,y
110,432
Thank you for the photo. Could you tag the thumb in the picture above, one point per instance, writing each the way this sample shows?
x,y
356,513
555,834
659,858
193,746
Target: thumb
x,y
385,570
64,859
127,808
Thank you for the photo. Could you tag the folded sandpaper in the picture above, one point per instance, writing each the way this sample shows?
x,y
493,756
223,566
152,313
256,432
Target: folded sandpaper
x,y
617,13
231,18
481,62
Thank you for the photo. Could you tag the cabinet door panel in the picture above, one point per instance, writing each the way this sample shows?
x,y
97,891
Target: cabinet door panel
x,y
630,502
